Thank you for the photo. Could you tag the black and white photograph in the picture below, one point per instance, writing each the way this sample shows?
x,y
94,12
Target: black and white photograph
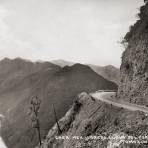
x,y
73,73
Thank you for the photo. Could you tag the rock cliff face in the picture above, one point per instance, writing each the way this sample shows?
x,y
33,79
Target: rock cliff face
x,y
134,68
90,123
89,119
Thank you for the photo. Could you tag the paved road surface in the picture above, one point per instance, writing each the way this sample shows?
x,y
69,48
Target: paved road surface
x,y
109,97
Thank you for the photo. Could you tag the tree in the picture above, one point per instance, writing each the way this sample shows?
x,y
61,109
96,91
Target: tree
x,y
34,114
56,119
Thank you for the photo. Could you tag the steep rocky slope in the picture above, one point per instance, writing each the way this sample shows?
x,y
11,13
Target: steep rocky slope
x,y
89,119
134,67
91,123
52,84
20,80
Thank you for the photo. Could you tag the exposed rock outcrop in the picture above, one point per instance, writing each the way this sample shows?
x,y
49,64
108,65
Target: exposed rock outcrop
x,y
91,123
89,119
134,67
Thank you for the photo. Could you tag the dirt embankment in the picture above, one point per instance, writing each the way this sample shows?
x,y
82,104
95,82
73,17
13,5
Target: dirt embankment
x,y
92,123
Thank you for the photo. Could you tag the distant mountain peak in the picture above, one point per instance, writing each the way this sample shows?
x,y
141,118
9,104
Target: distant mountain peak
x,y
5,60
109,72
20,80
76,67
14,59
62,63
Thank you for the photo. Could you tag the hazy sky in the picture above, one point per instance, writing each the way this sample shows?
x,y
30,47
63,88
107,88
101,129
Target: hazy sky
x,y
84,31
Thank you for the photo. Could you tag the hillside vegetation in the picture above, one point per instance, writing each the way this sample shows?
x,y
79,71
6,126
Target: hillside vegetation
x,y
21,79
89,119
134,67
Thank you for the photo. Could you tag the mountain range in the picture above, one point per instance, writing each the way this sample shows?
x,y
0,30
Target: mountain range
x,y
109,72
21,79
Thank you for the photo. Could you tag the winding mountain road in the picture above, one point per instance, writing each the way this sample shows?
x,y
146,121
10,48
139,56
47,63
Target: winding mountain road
x,y
109,97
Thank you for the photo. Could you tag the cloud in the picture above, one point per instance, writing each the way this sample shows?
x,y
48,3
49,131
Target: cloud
x,y
82,30
10,45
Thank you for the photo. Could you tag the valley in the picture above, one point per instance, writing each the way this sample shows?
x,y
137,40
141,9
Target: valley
x,y
21,79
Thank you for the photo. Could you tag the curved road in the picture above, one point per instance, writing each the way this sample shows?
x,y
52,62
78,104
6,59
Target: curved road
x,y
109,97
